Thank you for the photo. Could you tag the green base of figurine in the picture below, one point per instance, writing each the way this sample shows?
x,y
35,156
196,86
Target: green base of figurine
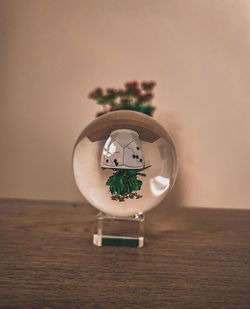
x,y
115,241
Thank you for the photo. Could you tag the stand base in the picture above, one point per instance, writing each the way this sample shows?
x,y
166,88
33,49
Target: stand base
x,y
119,231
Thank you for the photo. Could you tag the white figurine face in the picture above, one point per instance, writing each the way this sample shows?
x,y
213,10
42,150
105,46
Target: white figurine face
x,y
123,150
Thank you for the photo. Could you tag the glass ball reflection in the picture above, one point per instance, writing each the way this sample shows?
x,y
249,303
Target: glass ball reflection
x,y
124,140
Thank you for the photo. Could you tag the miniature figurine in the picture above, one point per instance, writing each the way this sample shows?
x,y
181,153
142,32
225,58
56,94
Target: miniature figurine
x,y
122,152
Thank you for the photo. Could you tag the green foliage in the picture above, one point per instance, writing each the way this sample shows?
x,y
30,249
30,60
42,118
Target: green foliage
x,y
135,96
123,184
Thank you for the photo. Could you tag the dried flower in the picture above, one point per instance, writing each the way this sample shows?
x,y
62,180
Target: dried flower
x,y
148,86
96,93
111,91
133,84
149,96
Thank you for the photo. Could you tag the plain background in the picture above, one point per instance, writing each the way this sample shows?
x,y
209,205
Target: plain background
x,y
54,52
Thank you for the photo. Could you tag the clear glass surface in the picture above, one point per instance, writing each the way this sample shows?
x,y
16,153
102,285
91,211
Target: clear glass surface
x,y
119,231
158,151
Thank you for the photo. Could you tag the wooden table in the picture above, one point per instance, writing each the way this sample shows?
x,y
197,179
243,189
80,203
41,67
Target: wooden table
x,y
193,258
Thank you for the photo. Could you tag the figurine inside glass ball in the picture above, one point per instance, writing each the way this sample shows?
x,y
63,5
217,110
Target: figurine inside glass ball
x,y
124,162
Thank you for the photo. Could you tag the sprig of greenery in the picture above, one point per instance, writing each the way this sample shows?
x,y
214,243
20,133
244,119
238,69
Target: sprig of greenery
x,y
134,96
123,184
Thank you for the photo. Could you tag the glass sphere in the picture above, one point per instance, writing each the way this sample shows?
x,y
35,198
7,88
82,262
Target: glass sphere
x,y
134,147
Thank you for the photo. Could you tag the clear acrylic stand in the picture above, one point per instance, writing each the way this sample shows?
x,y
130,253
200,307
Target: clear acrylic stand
x,y
119,231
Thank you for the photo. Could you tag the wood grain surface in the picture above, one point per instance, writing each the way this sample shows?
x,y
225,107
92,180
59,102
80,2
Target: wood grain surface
x,y
193,258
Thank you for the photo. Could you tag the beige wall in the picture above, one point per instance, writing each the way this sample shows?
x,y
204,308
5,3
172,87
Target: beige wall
x,y
54,52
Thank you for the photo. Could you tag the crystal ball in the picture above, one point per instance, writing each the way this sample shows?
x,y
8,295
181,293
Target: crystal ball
x,y
124,163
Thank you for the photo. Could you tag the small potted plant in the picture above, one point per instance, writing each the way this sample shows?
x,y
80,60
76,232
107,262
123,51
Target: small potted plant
x,y
135,97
